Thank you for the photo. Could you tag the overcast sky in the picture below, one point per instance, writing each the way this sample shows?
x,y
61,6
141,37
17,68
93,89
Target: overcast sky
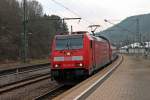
x,y
95,11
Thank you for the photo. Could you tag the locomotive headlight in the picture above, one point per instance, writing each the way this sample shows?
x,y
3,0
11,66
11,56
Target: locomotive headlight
x,y
56,66
68,54
80,64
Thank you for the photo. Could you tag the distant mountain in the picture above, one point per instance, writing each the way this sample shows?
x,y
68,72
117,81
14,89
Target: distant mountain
x,y
125,32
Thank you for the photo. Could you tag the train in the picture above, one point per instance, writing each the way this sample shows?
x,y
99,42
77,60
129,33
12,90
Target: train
x,y
79,55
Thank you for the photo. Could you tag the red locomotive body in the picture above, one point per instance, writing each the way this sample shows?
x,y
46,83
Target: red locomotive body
x,y
78,55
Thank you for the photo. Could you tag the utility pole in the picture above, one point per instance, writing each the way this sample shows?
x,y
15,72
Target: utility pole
x,y
138,32
139,35
71,29
24,36
63,23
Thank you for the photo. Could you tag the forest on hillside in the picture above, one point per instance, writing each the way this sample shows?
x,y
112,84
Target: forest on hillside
x,y
40,29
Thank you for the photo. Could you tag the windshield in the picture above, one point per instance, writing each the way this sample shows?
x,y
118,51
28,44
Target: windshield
x,y
69,43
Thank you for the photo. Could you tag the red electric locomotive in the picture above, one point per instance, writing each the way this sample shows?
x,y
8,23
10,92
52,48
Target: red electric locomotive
x,y
78,55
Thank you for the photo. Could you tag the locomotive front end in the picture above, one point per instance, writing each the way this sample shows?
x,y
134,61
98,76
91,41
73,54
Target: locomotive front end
x,y
67,57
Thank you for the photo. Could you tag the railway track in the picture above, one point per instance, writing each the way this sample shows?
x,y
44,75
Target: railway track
x,y
23,83
53,93
22,74
20,69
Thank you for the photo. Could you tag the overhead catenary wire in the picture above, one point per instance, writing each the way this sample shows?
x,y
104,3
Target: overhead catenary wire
x,y
50,7
70,10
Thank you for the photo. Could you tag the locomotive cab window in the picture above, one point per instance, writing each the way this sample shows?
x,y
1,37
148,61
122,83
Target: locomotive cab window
x,y
69,42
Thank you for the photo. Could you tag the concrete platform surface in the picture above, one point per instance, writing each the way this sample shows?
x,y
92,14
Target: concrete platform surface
x,y
130,81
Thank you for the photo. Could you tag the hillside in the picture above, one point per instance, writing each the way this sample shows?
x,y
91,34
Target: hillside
x,y
126,31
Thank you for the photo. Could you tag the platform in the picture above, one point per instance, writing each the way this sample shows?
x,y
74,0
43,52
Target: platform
x,y
131,81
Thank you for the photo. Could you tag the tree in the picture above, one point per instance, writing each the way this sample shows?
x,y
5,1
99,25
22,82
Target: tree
x,y
42,28
9,28
34,9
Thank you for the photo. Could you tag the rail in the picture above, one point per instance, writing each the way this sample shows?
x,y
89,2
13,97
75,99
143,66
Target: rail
x,y
23,74
23,83
21,69
51,93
